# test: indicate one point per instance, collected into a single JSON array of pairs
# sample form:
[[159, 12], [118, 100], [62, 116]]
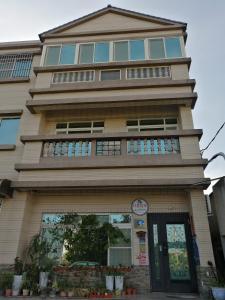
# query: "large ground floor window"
[[80, 230]]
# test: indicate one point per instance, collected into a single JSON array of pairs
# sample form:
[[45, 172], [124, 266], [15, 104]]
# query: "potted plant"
[[109, 278], [119, 278], [17, 278], [217, 284], [26, 287], [7, 280], [46, 265]]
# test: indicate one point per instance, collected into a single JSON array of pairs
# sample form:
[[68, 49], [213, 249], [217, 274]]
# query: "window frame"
[[105, 70], [147, 54], [69, 129], [119, 225], [183, 54], [164, 126], [11, 118], [89, 70]]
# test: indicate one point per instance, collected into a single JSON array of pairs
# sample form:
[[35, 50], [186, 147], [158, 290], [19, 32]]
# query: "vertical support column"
[[203, 238], [12, 230], [185, 116]]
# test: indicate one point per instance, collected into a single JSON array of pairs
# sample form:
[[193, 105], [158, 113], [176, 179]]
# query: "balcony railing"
[[110, 147], [67, 149]]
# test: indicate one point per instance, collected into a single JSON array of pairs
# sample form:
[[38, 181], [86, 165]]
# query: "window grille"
[[15, 65], [68, 77], [142, 73], [109, 148]]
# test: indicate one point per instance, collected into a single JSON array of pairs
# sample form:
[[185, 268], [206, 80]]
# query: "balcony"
[[87, 148], [108, 150]]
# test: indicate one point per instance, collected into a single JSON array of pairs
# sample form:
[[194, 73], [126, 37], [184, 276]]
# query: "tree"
[[85, 238]]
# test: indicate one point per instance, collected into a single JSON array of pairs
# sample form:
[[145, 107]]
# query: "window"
[[142, 73], [109, 148], [156, 48], [101, 52], [52, 56], [119, 253], [80, 127], [152, 124], [8, 130], [168, 47], [86, 53], [14, 66], [121, 51], [137, 50], [110, 75], [71, 77], [67, 54], [173, 48]]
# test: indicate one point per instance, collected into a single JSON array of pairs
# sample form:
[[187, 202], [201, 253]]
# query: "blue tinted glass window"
[[22, 68], [120, 51], [52, 56], [86, 53], [67, 54], [8, 131], [156, 47], [137, 50], [173, 48], [101, 52]]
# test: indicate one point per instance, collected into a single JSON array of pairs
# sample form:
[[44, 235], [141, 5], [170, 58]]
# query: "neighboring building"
[[95, 115], [217, 223]]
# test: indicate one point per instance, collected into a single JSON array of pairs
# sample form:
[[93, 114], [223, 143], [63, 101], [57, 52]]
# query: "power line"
[[213, 138]]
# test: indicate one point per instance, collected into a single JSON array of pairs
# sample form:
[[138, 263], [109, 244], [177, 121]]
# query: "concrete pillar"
[[14, 212]]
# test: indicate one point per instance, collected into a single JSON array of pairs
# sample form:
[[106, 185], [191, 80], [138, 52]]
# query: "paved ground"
[[151, 296]]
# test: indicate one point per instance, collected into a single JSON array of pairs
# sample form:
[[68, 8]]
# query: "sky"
[[25, 19]]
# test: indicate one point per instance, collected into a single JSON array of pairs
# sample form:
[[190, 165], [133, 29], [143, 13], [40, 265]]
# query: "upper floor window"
[[152, 124], [62, 55], [8, 130], [123, 50], [94, 52], [164, 48], [15, 65], [129, 50], [80, 127]]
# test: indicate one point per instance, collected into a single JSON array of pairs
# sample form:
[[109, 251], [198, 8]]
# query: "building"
[[98, 114], [217, 224]]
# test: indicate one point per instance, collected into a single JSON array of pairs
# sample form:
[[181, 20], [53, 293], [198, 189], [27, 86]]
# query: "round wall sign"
[[139, 207]]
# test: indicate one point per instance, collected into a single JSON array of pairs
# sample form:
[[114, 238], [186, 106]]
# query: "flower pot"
[[70, 294], [218, 293], [8, 292], [43, 279], [109, 282], [129, 291], [62, 294], [25, 292], [17, 283], [119, 283]]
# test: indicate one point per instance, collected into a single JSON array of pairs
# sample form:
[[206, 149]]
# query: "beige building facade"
[[95, 118]]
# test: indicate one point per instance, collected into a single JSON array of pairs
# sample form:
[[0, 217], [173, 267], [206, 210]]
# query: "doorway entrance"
[[171, 253]]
